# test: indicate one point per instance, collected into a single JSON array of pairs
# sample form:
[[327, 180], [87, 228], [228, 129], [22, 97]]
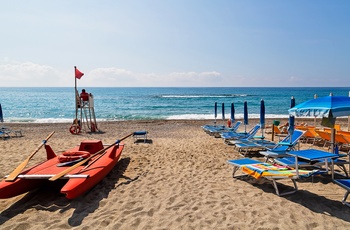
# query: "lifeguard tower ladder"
[[87, 115]]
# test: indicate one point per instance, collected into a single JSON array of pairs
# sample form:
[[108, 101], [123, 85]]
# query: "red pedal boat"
[[79, 180]]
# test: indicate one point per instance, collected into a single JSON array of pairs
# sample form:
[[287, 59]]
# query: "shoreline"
[[179, 180]]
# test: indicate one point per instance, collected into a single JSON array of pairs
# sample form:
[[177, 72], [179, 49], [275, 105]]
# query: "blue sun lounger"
[[344, 183], [281, 148], [246, 146], [4, 133], [228, 136], [257, 170], [140, 135], [214, 130], [315, 158]]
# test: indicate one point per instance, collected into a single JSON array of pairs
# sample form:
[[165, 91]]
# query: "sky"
[[175, 43]]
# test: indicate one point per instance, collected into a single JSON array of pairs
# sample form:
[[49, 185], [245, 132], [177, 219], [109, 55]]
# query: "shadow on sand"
[[308, 199], [49, 198]]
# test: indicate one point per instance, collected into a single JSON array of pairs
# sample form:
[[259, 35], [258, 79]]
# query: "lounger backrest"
[[295, 137], [276, 130], [236, 126], [253, 131], [324, 135], [340, 139], [292, 139]]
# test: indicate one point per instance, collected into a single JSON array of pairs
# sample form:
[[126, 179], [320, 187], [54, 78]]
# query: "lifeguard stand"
[[87, 114]]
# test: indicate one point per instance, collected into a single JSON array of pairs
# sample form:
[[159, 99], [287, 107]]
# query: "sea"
[[57, 104]]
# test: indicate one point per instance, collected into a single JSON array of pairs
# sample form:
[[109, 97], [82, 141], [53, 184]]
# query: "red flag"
[[78, 74]]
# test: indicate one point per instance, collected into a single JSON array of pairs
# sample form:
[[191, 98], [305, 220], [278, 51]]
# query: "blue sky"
[[182, 43]]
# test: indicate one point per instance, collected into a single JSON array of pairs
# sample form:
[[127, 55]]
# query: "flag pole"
[[315, 97], [76, 96], [349, 118]]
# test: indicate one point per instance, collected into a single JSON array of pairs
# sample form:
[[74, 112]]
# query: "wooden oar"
[[20, 167], [64, 172]]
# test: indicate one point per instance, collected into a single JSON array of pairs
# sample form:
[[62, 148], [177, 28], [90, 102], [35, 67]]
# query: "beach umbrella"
[[232, 113], [315, 96], [292, 102], [215, 110], [349, 118], [291, 127], [262, 113], [262, 116], [1, 116], [329, 108], [223, 111], [291, 118], [245, 115]]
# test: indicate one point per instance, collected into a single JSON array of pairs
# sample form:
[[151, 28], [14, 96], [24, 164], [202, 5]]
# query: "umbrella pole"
[[333, 139]]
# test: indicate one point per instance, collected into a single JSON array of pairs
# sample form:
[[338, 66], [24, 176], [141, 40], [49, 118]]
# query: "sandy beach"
[[178, 180]]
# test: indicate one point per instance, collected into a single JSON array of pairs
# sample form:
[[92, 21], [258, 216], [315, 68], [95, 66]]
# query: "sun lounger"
[[214, 130], [7, 133], [315, 158], [310, 135], [246, 146], [277, 132], [325, 137], [235, 136], [281, 148], [259, 170], [4, 133], [344, 183], [140, 135]]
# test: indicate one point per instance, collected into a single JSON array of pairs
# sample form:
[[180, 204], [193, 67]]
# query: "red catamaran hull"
[[79, 181]]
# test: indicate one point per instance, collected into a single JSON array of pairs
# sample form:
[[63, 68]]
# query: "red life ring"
[[71, 156], [75, 129], [229, 123]]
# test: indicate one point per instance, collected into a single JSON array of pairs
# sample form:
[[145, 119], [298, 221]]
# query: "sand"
[[178, 180]]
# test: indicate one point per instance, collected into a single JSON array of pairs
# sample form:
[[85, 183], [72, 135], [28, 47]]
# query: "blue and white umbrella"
[[335, 106], [328, 107]]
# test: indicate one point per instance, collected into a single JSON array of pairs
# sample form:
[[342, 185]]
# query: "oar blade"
[[20, 167], [17, 171]]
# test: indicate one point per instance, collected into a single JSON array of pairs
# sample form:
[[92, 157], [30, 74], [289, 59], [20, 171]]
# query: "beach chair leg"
[[140, 135], [235, 169], [274, 183], [345, 198], [241, 176]]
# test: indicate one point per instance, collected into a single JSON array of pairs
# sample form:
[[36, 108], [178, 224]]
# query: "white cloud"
[[122, 77], [29, 74]]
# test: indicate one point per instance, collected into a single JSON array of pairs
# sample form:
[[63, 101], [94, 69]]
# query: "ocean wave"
[[205, 96], [219, 117], [125, 118]]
